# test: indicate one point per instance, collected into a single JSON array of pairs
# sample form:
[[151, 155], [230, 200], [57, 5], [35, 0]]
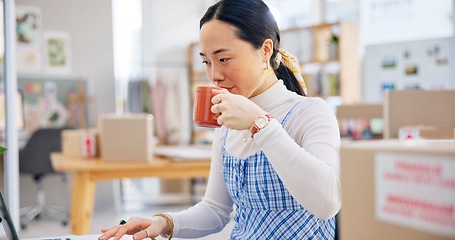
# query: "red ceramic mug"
[[202, 115]]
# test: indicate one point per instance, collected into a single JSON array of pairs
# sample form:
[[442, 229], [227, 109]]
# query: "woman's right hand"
[[236, 111], [139, 227]]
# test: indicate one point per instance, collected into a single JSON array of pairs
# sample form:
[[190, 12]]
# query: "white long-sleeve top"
[[305, 154]]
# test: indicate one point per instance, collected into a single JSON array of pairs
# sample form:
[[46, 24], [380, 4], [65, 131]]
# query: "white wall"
[[89, 24], [168, 29], [398, 21]]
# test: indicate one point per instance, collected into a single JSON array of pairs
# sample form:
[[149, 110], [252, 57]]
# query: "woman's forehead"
[[217, 29], [216, 35]]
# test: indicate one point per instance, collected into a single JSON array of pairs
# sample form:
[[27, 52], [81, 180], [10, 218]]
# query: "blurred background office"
[[77, 60]]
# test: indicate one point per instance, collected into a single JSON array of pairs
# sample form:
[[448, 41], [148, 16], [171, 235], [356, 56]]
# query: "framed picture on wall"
[[28, 36], [57, 49]]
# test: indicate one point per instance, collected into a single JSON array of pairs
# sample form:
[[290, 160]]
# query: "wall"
[[168, 29], [89, 24], [398, 21], [171, 25], [421, 64]]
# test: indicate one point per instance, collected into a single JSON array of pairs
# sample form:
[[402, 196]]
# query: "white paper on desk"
[[185, 152]]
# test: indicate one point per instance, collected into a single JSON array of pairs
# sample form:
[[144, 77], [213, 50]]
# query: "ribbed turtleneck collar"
[[273, 96]]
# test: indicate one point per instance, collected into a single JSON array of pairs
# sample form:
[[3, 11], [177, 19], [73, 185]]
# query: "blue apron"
[[264, 207]]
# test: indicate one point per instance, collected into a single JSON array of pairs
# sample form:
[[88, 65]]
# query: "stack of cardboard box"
[[126, 137], [426, 132]]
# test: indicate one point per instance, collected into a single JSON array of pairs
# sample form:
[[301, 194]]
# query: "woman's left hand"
[[139, 227], [236, 111]]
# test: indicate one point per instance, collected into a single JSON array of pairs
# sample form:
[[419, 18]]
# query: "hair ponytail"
[[291, 83]]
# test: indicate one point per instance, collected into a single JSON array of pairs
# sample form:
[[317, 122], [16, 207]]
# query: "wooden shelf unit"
[[339, 67]]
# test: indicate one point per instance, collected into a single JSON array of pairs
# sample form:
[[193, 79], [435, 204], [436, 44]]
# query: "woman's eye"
[[205, 62], [223, 60]]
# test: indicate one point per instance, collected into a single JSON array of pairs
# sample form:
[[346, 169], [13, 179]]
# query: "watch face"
[[261, 122]]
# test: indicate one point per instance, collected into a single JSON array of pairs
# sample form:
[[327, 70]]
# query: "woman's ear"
[[267, 48]]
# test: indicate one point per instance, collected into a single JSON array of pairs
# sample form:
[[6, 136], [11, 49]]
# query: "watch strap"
[[255, 129]]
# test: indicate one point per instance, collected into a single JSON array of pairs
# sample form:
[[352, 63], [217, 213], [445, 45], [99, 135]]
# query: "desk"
[[86, 171]]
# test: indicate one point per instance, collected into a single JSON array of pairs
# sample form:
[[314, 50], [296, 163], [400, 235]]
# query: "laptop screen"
[[5, 218]]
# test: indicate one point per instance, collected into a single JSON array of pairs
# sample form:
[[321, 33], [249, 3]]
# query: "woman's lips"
[[227, 88]]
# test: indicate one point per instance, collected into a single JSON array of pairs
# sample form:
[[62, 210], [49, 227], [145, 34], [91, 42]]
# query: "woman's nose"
[[217, 75]]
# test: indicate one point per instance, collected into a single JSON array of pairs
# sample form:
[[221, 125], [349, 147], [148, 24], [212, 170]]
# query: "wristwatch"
[[260, 123]]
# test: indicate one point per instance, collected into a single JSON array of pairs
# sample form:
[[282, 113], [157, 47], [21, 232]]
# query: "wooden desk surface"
[[86, 171], [160, 167]]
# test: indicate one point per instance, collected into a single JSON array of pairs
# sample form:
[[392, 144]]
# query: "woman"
[[275, 158]]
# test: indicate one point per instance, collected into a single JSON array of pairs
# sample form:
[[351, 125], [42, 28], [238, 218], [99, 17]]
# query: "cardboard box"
[[397, 190], [126, 137], [80, 142], [359, 111], [426, 132], [417, 107]]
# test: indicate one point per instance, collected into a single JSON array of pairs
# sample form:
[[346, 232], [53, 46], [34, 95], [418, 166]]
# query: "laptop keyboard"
[[56, 238]]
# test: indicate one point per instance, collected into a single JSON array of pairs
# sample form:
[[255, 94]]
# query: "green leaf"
[[334, 38], [2, 149], [54, 117]]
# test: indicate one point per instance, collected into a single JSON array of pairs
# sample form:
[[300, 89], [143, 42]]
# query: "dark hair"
[[254, 23]]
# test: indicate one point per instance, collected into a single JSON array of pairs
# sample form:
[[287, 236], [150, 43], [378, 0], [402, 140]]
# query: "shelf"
[[311, 45], [315, 61]]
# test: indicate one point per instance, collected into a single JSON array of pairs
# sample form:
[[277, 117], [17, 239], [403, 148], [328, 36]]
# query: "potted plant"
[[2, 149], [333, 45]]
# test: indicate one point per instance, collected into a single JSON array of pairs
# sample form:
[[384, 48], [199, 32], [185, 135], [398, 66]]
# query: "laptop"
[[5, 218], [11, 233]]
